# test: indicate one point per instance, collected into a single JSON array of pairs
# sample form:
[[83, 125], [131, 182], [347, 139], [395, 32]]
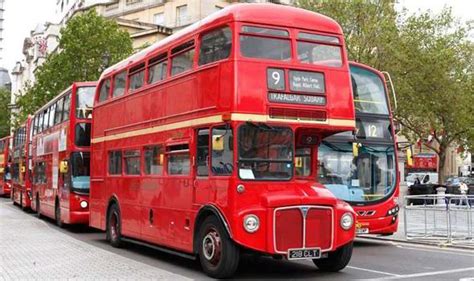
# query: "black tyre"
[[218, 254], [57, 215], [21, 200], [336, 260], [114, 227]]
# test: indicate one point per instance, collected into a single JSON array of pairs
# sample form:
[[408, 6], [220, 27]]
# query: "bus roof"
[[267, 14]]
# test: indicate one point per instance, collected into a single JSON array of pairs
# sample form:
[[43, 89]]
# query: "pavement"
[[36, 249]]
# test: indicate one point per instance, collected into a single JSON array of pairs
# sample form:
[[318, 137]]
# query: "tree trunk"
[[442, 165]]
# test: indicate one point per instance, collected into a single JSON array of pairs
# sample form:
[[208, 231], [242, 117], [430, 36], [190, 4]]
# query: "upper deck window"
[[67, 106], [104, 90], [183, 60], [84, 102], [119, 84], [319, 54], [258, 42], [369, 91], [137, 77], [52, 112], [157, 69], [59, 111], [317, 37], [215, 45]]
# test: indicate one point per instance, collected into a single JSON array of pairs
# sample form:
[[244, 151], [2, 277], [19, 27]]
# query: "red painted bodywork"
[[46, 148], [225, 89], [5, 184], [380, 222], [21, 185]]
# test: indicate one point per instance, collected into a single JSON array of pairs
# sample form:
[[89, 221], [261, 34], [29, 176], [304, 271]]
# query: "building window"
[[132, 162], [154, 156], [115, 162], [181, 15], [159, 19], [130, 2]]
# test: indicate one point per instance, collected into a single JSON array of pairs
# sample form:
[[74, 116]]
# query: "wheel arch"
[[113, 200], [204, 212]]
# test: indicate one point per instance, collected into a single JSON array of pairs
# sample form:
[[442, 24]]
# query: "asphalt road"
[[377, 260]]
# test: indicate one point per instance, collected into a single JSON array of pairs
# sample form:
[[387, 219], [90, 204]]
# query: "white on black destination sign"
[[304, 81], [296, 99]]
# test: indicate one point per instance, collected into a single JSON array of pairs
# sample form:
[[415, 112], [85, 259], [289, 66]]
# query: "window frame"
[[178, 50], [124, 161], [67, 101], [107, 97], [123, 72], [59, 113], [169, 151], [155, 61], [109, 152], [207, 32], [288, 38], [134, 70]]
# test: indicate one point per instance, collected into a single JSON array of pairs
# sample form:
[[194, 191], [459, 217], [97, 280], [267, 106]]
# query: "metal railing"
[[444, 218]]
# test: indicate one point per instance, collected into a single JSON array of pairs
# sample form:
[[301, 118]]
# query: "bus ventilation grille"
[[297, 114]]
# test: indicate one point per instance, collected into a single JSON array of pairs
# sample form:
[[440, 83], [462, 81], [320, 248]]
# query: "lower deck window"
[[132, 162], [115, 162], [178, 160]]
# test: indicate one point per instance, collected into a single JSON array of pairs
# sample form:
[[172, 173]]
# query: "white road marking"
[[441, 251], [373, 271], [424, 274]]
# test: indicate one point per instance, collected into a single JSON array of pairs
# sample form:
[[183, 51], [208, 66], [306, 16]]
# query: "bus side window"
[[115, 162], [183, 57], [119, 84], [104, 90], [178, 160], [154, 158], [222, 151], [202, 152], [215, 45]]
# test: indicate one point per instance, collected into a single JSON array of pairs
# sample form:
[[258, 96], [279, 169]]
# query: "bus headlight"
[[347, 220], [84, 204], [251, 223]]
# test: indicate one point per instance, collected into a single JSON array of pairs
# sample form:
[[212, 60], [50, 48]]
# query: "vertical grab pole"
[[392, 88]]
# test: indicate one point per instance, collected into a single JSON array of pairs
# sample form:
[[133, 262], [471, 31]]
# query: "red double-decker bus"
[[194, 140], [361, 167], [5, 173], [61, 155], [21, 166]]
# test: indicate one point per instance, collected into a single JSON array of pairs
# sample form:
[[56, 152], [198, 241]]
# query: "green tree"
[[433, 71], [5, 112], [83, 44], [370, 27]]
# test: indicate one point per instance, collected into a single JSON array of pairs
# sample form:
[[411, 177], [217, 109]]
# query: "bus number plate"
[[362, 230], [298, 254]]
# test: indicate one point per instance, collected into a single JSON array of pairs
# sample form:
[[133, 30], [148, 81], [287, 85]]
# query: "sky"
[[22, 16]]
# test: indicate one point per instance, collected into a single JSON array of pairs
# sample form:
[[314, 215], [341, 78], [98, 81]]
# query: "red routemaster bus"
[[194, 140], [5, 172], [21, 166], [361, 167], [61, 155]]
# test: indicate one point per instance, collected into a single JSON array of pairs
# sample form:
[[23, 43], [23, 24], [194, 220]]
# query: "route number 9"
[[275, 79]]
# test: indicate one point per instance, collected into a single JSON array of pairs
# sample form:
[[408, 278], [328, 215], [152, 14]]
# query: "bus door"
[[178, 194]]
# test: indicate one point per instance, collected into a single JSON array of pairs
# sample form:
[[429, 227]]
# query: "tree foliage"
[[5, 112], [84, 42], [430, 59]]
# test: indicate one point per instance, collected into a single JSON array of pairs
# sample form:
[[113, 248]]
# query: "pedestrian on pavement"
[[463, 190]]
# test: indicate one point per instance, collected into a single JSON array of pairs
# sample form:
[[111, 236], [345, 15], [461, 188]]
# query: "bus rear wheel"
[[218, 254], [114, 227], [336, 260]]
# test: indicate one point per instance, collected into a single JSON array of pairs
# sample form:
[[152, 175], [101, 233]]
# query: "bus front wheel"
[[218, 254], [336, 260], [114, 223]]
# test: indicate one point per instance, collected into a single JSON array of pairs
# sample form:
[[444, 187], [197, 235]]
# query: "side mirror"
[[161, 159], [63, 167], [217, 143], [298, 162], [22, 169]]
